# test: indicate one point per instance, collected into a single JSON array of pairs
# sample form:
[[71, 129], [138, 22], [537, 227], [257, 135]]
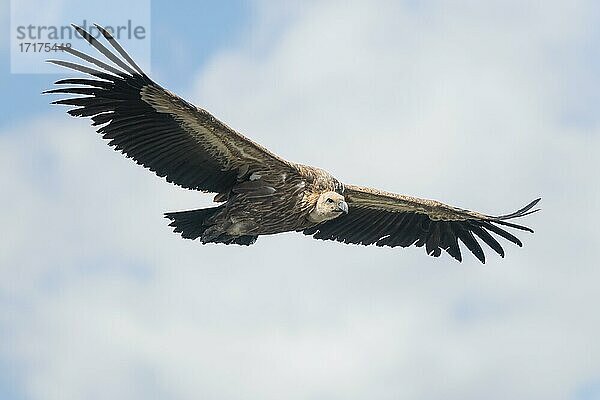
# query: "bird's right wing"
[[389, 219], [159, 130]]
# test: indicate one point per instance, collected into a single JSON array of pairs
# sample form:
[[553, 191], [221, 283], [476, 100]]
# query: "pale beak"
[[343, 206]]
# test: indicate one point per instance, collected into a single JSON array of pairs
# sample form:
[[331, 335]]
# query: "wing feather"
[[388, 219], [159, 130]]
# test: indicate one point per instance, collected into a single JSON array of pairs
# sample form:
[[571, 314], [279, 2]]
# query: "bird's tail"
[[193, 223], [201, 223]]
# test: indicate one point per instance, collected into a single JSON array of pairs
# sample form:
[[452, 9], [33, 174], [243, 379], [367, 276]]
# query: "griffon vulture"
[[259, 193]]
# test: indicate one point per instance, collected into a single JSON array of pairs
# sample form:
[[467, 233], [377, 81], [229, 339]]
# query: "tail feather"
[[192, 224], [195, 224]]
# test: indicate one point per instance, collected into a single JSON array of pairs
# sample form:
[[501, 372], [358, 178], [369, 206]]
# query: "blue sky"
[[194, 29], [484, 105]]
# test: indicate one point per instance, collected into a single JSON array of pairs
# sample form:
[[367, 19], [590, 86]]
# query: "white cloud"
[[459, 103]]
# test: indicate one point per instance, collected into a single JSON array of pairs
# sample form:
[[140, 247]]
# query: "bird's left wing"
[[388, 219], [159, 130]]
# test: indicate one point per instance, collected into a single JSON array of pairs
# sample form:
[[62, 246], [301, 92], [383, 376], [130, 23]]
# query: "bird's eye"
[[329, 200]]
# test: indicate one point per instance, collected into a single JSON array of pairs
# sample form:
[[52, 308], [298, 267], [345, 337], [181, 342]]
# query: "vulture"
[[257, 192]]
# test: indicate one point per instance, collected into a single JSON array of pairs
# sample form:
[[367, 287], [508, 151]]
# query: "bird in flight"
[[258, 192]]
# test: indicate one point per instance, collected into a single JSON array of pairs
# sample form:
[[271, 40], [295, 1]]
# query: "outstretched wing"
[[388, 219], [158, 129]]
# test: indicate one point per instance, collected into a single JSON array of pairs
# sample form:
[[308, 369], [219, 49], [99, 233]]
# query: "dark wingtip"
[[522, 211], [80, 30], [103, 31], [457, 257], [515, 226]]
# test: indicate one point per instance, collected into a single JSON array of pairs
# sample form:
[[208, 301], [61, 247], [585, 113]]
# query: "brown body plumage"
[[259, 193], [259, 203]]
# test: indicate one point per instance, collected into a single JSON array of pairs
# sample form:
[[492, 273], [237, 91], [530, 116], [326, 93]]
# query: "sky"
[[485, 105]]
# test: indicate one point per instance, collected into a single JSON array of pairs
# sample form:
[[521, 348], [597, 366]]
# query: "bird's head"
[[329, 205]]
